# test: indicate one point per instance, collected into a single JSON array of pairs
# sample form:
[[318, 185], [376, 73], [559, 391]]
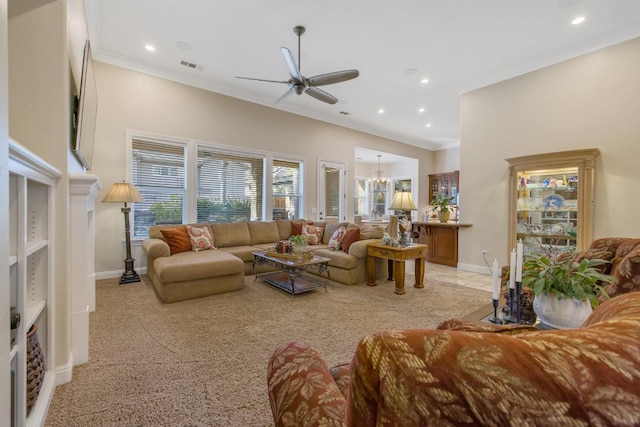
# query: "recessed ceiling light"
[[424, 80], [421, 110], [578, 20], [381, 111], [150, 48], [428, 125]]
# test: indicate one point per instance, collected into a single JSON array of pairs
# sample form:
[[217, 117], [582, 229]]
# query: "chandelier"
[[380, 180]]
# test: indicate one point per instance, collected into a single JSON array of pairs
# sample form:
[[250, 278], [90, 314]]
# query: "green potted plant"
[[298, 243], [566, 288], [443, 205]]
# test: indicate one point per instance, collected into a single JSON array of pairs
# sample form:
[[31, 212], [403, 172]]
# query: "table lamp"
[[403, 202], [123, 192]]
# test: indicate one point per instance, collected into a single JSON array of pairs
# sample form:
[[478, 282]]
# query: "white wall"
[[131, 100], [592, 101]]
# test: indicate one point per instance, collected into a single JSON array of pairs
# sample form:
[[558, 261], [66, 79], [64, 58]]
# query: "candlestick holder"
[[495, 319], [518, 304], [510, 316]]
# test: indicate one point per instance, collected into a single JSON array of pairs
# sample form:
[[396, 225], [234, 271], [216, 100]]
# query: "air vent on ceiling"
[[191, 65]]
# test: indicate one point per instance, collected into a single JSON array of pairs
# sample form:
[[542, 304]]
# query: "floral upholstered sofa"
[[194, 260], [467, 374]]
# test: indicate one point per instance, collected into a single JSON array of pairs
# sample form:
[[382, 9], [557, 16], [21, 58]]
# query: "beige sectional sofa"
[[190, 274]]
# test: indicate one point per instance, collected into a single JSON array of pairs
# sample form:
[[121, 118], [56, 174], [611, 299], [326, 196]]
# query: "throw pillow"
[[177, 239], [200, 238], [335, 242], [351, 236], [313, 233], [296, 227]]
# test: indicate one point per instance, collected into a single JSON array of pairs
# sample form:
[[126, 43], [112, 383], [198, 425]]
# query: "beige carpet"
[[203, 362]]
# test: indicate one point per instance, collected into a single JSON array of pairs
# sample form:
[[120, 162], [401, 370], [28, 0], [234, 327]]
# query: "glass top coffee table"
[[291, 276]]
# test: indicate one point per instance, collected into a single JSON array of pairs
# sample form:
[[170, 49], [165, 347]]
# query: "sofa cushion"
[[177, 239], [350, 236], [371, 232], [284, 228], [313, 233], [200, 238], [245, 253], [231, 234], [338, 258], [335, 242], [187, 266], [263, 232]]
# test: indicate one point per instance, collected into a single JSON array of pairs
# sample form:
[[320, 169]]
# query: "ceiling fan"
[[300, 84]]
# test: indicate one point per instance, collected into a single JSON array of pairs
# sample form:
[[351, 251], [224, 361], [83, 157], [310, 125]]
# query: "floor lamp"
[[403, 201], [123, 192]]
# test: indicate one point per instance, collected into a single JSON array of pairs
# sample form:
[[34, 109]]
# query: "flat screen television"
[[86, 111]]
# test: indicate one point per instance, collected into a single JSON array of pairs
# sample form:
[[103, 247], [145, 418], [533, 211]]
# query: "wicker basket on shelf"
[[35, 367]]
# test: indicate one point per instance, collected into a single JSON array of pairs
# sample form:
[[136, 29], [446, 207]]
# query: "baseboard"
[[474, 268], [64, 372], [117, 273]]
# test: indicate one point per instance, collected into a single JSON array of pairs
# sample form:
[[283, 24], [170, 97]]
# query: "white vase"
[[298, 249], [565, 313]]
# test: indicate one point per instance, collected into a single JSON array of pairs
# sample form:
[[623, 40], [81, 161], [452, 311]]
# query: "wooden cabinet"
[[551, 200], [441, 240], [447, 184], [31, 271]]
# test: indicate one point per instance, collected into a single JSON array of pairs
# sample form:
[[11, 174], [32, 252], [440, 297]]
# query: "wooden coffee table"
[[397, 255], [290, 276]]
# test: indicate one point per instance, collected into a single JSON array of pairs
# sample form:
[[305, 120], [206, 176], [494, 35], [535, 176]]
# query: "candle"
[[512, 271], [496, 284], [519, 261]]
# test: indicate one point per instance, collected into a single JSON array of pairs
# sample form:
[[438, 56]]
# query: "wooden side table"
[[398, 255]]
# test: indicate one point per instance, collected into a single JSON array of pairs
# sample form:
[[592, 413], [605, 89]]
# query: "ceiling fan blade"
[[262, 80], [284, 95], [321, 95], [294, 72], [331, 78]]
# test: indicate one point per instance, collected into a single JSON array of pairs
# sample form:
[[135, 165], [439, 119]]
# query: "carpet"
[[203, 362]]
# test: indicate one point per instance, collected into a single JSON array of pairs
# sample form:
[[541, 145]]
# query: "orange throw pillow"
[[351, 236], [177, 239]]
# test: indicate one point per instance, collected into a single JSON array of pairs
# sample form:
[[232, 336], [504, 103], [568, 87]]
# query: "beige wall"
[[131, 100], [39, 119], [447, 160], [592, 101]]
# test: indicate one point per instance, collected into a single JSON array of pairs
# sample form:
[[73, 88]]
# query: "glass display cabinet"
[[551, 200], [447, 184]]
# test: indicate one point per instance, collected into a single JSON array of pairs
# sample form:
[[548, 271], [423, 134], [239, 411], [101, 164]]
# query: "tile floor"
[[458, 277]]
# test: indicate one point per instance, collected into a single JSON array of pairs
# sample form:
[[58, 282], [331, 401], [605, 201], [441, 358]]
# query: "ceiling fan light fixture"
[[299, 84]]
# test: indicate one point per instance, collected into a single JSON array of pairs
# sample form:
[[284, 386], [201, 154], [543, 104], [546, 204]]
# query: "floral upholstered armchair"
[[466, 374]]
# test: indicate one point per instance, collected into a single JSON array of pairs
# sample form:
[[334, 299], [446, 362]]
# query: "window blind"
[[286, 189], [229, 186], [158, 171]]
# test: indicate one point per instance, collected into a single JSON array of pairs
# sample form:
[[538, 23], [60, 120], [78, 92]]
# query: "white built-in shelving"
[[31, 274]]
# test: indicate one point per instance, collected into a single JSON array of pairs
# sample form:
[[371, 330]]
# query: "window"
[[230, 186], [287, 197], [188, 181], [158, 171], [360, 200]]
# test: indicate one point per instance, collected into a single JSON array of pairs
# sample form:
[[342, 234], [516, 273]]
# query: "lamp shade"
[[403, 201], [123, 192]]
